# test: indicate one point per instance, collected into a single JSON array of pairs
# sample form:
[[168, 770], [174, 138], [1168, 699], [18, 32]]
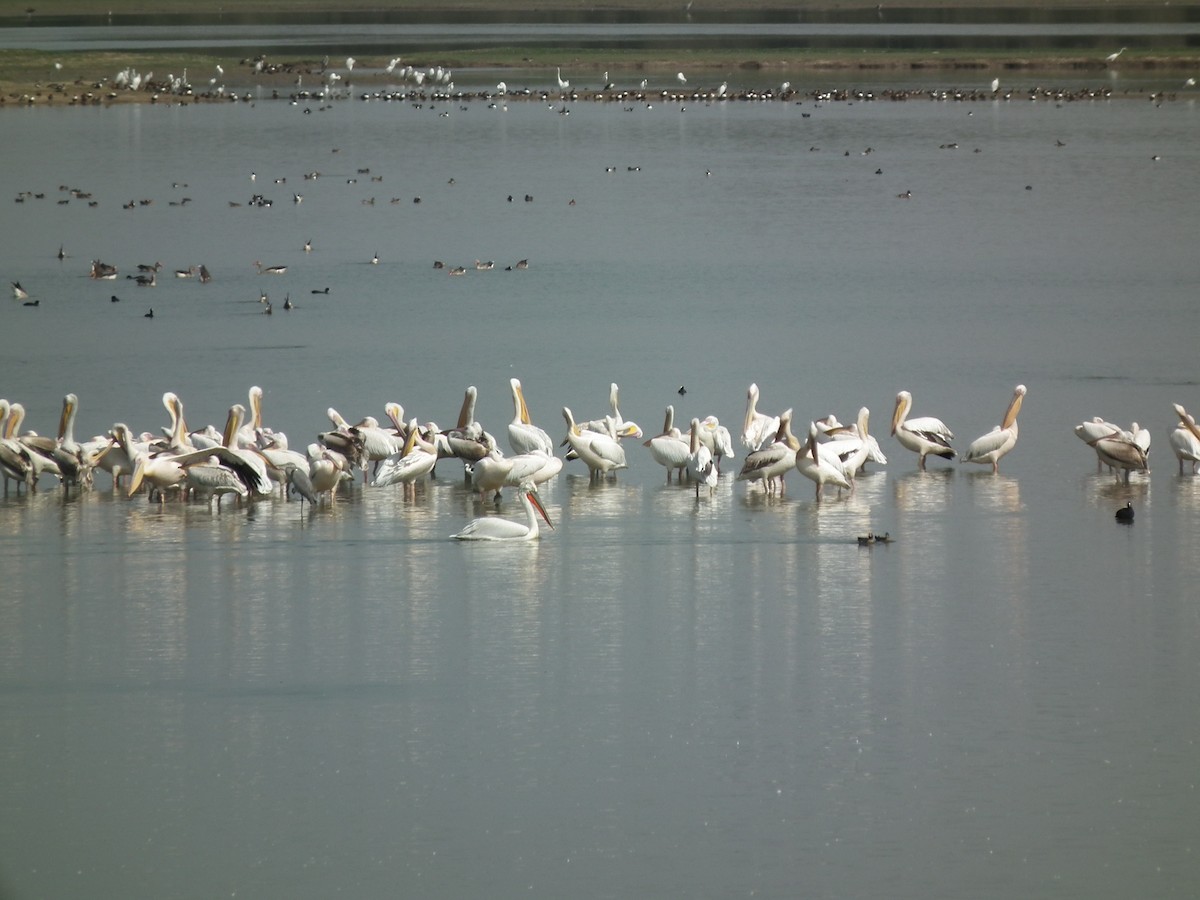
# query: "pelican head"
[[903, 405], [1014, 407]]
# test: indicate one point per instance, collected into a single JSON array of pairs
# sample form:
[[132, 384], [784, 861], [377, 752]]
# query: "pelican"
[[19, 292], [493, 528], [775, 459], [717, 439], [249, 458], [618, 424], [854, 445], [820, 467], [669, 448], [759, 429], [536, 467], [1185, 439], [417, 457], [467, 440], [16, 463], [991, 447], [922, 435], [327, 469], [601, 453], [1120, 453], [700, 465], [39, 454], [377, 443], [523, 435]]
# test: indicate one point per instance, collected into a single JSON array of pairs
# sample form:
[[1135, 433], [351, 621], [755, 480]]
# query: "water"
[[662, 696]]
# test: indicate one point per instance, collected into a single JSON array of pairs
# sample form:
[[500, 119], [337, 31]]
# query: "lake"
[[666, 695]]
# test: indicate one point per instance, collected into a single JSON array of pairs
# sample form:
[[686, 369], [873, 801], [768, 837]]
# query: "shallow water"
[[663, 695]]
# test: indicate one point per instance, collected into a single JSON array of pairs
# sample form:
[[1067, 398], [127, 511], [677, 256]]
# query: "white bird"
[[991, 447], [618, 424], [416, 458], [19, 292], [1112, 57], [758, 429], [773, 460], [822, 468], [1185, 440], [501, 88], [601, 453], [700, 466], [717, 439], [995, 85], [350, 61], [493, 528], [669, 448], [923, 435], [681, 77], [1121, 454], [523, 435], [563, 84], [854, 445]]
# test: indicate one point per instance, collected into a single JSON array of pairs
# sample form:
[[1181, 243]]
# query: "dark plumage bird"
[[1125, 513], [114, 299], [149, 315], [682, 390]]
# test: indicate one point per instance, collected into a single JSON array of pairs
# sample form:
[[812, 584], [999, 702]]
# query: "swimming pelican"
[[669, 448], [700, 465], [923, 435], [991, 447], [1185, 439], [523, 435], [601, 453], [773, 460], [758, 429], [820, 467], [493, 528]]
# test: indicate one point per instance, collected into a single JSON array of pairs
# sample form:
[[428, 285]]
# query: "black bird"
[[31, 302], [324, 291], [1125, 513], [149, 315], [114, 299], [682, 390]]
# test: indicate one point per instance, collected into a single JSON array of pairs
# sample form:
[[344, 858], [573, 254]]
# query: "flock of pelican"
[[249, 460]]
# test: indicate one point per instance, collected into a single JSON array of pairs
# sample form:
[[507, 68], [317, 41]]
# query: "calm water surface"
[[662, 697]]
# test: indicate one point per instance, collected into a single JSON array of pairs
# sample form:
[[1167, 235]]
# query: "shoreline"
[[88, 78]]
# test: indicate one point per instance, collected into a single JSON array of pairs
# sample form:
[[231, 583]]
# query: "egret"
[[682, 78], [1112, 57], [563, 84]]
